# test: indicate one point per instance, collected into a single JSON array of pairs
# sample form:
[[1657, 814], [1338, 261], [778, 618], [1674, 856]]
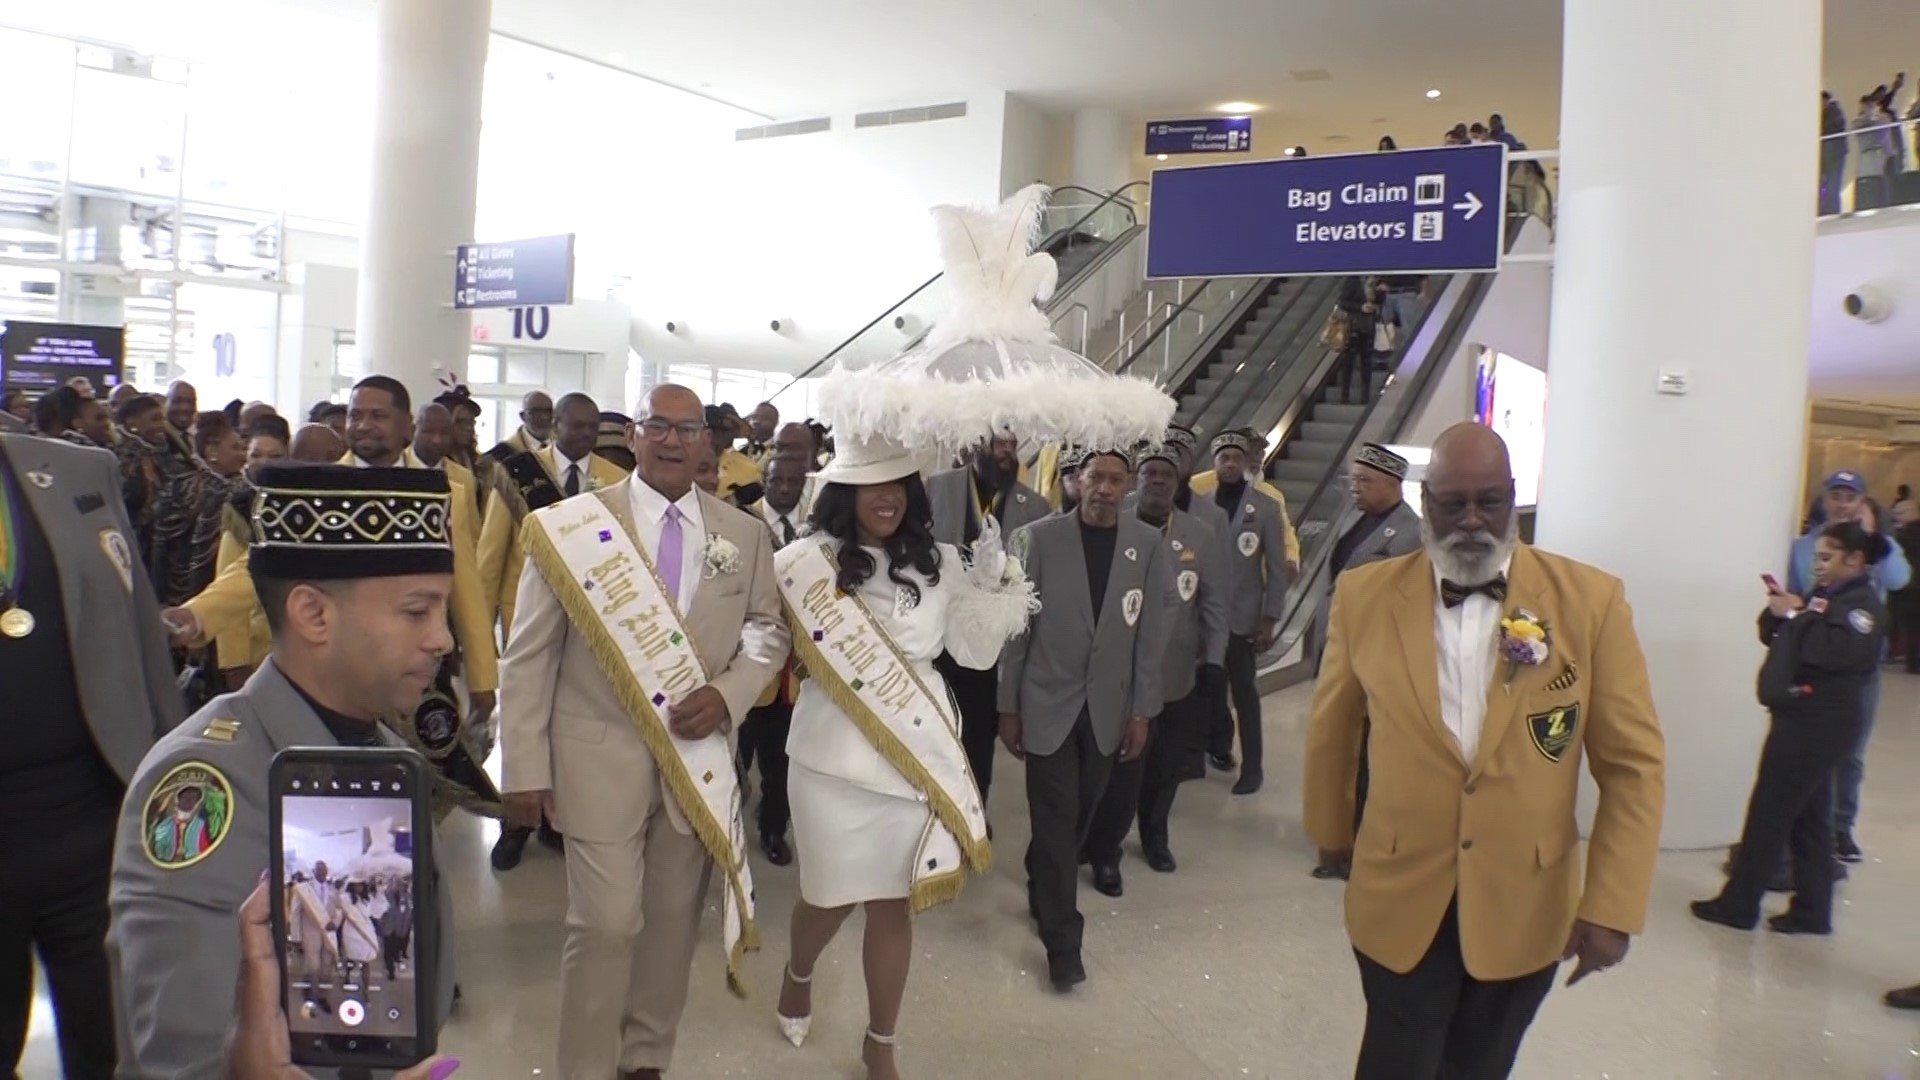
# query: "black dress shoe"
[[775, 849], [1160, 860], [1789, 923], [1711, 911], [1331, 872], [510, 848], [1249, 783], [1907, 997], [551, 839], [1223, 762], [1845, 849], [1106, 879], [1065, 970]]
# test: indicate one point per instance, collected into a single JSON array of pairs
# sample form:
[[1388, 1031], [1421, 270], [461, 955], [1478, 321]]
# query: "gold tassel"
[[979, 852], [714, 835]]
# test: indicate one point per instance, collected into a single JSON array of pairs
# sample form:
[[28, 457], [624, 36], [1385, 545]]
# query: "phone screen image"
[[352, 926]]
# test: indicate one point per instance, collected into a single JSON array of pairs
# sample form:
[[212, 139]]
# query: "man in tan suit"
[[1465, 893], [636, 873]]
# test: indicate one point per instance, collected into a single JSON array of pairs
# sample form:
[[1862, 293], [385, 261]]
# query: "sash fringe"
[[540, 551], [978, 853], [936, 890]]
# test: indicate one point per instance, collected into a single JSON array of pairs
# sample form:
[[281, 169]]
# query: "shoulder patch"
[[188, 813], [1861, 620]]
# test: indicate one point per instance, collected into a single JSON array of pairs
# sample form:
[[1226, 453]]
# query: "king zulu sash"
[[849, 656], [614, 597]]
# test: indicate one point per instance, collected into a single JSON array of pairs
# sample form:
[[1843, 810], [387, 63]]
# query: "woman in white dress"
[[875, 808]]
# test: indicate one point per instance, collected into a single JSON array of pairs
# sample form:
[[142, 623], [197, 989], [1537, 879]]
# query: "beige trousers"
[[633, 918]]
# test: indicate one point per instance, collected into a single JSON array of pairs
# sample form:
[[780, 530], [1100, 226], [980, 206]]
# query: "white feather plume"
[[991, 364]]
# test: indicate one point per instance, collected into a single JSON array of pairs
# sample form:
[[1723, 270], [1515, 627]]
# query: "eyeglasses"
[[689, 430]]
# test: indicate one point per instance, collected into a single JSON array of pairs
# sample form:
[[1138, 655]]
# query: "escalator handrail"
[[858, 334], [1304, 348], [1173, 312], [1102, 200], [1279, 317]]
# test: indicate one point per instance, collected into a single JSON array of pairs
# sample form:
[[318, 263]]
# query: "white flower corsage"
[[720, 557]]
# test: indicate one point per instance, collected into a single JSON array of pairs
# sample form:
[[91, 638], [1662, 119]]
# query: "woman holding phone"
[[1821, 653]]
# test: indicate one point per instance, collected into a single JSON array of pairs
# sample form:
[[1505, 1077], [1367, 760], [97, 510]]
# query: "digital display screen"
[[352, 955], [36, 357]]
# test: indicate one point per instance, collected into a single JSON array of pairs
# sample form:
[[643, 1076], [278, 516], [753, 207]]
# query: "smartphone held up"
[[354, 913]]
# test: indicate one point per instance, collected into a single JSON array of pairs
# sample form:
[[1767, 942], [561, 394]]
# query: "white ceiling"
[[1150, 58]]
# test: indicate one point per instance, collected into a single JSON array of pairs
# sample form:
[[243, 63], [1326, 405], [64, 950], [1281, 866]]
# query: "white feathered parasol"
[[992, 365]]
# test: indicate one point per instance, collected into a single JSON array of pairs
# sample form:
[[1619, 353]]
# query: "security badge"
[[1189, 584], [1130, 606], [1552, 731], [1249, 543]]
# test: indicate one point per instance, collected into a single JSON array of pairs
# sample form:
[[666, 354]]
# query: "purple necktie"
[[667, 559]]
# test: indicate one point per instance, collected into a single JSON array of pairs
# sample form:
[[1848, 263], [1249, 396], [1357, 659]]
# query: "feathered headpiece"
[[992, 365]]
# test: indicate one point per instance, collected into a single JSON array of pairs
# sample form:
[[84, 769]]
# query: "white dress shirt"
[[561, 463], [774, 517], [650, 513], [1467, 639], [407, 460]]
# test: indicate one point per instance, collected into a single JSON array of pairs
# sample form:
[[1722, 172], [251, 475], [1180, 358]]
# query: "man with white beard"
[[1487, 669]]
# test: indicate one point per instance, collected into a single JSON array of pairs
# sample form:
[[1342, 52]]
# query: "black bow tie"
[[1453, 594]]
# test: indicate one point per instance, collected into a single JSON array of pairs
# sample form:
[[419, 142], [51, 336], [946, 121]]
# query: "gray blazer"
[[1398, 535], [173, 941], [1257, 556], [952, 495], [1197, 605], [1066, 660], [113, 619]]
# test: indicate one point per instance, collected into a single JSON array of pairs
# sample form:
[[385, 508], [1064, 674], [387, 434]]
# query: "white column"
[[1685, 248], [430, 64], [1102, 149]]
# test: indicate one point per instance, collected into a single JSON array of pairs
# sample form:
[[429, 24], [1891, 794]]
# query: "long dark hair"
[[911, 545]]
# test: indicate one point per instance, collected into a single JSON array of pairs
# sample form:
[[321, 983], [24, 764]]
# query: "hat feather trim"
[[924, 410]]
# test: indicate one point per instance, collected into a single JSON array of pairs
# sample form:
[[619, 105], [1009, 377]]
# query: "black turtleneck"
[[1098, 543], [1228, 496], [1157, 522], [1183, 498], [346, 730]]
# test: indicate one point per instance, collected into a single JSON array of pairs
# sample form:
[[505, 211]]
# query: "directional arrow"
[[1471, 204]]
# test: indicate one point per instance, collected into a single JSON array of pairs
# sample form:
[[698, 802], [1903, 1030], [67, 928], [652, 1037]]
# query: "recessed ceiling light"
[[1159, 157], [1431, 94], [1291, 149], [1239, 107]]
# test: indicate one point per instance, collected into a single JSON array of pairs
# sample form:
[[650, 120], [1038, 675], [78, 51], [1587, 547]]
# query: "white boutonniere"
[[720, 557]]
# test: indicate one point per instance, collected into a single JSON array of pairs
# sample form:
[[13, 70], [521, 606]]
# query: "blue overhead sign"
[[1214, 135], [1412, 211], [515, 273]]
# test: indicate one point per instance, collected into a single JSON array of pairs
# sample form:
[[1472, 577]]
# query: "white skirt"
[[854, 844]]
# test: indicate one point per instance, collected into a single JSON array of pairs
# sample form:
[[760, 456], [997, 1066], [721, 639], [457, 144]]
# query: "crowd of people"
[[1879, 142]]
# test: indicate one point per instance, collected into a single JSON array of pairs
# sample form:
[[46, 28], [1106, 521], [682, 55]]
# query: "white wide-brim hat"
[[873, 460]]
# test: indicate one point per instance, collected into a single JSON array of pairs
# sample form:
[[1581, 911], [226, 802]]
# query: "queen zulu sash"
[[614, 597], [849, 656]]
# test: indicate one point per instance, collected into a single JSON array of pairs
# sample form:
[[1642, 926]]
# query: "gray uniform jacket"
[[1196, 606], [1398, 535], [1257, 555], [113, 620], [952, 495], [1066, 660], [174, 940]]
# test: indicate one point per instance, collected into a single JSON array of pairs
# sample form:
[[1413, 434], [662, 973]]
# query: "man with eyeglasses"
[[1487, 669], [536, 427], [646, 627]]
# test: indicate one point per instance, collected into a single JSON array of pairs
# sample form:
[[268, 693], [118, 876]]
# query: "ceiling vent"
[[920, 115], [777, 131], [1312, 75]]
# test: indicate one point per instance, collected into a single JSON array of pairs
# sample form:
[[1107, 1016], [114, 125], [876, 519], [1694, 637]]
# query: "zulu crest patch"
[[1249, 543], [1552, 731], [1130, 606], [1189, 583]]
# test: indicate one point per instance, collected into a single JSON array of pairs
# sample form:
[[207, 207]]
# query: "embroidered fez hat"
[[1180, 435], [1125, 455], [338, 523], [1160, 451], [1230, 440], [613, 431], [1071, 458], [1375, 456]]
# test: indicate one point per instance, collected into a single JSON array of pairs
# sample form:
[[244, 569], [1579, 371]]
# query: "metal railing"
[[1869, 168]]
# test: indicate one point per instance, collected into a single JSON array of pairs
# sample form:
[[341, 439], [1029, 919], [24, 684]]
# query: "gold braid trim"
[[978, 853], [713, 834]]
